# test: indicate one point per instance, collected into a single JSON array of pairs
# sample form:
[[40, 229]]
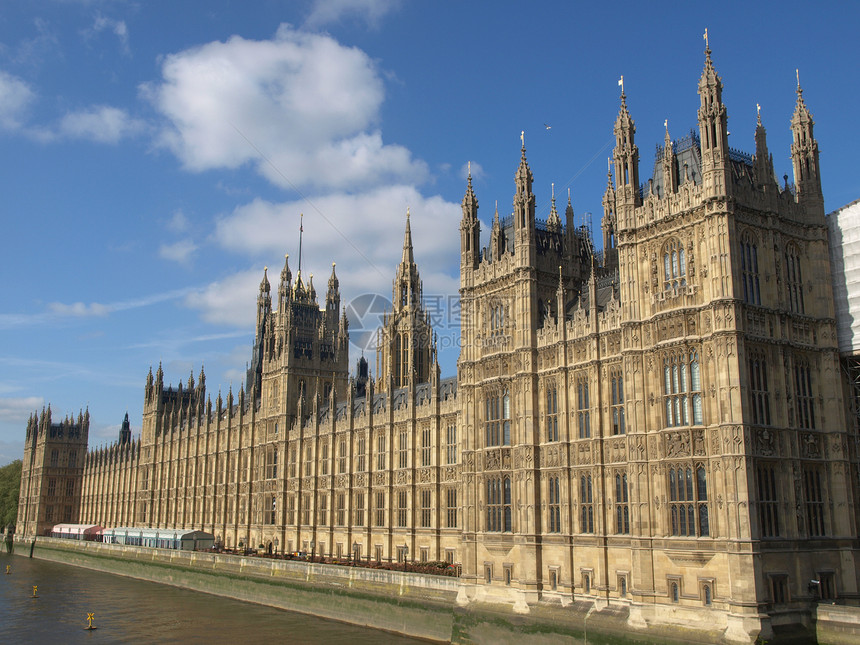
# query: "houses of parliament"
[[663, 425]]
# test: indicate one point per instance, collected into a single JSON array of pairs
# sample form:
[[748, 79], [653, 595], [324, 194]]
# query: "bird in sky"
[[547, 126]]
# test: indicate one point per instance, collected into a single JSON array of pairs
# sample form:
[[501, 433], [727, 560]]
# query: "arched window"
[[793, 279], [706, 593], [749, 269], [682, 389], [688, 503], [497, 427], [674, 588], [674, 266]]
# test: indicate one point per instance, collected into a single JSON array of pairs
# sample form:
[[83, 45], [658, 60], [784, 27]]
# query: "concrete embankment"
[[418, 605], [412, 604]]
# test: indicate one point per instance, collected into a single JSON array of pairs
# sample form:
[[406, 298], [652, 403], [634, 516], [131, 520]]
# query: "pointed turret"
[[553, 222], [470, 228], [497, 237], [669, 164], [125, 431], [764, 176], [804, 158], [524, 199], [626, 155], [408, 257], [712, 129], [284, 286], [407, 284], [332, 298]]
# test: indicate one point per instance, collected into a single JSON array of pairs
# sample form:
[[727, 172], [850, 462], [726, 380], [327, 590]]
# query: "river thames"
[[136, 611]]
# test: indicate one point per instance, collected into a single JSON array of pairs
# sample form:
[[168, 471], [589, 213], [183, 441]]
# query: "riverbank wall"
[[418, 605]]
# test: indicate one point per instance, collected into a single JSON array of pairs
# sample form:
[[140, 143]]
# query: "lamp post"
[[354, 553], [276, 545], [405, 555]]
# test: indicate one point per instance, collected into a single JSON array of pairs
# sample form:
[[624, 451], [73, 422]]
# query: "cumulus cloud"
[[228, 301], [18, 409], [100, 123], [15, 96], [366, 231], [180, 251], [301, 107], [325, 12]]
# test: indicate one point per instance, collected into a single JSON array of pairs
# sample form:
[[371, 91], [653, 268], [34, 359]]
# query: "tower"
[[405, 351], [52, 472]]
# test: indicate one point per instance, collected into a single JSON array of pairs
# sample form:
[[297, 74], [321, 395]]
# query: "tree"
[[10, 486]]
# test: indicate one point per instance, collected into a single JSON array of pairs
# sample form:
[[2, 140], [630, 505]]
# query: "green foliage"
[[10, 485]]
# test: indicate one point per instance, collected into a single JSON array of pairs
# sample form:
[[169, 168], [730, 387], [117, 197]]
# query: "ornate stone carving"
[[677, 444], [765, 442]]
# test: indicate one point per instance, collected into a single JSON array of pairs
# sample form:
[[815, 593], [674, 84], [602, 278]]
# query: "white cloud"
[[81, 309], [178, 223], [301, 107], [15, 97], [100, 123], [325, 12], [180, 251], [367, 230], [19, 409], [117, 27], [229, 301]]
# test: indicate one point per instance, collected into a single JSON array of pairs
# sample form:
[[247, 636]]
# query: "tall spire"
[[408, 258], [804, 155], [554, 221], [470, 228], [712, 129], [626, 154], [763, 159]]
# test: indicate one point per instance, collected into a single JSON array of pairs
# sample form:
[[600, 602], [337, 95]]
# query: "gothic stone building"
[[659, 426]]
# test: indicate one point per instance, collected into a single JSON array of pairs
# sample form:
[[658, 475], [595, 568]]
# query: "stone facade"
[[658, 426]]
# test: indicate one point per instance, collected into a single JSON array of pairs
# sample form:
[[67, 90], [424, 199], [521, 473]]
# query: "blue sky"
[[156, 155]]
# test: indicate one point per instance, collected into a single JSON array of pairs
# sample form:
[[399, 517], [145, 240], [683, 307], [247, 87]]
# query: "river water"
[[136, 611]]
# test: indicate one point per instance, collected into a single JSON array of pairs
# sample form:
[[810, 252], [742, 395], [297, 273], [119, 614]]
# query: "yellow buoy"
[[35, 590], [90, 618]]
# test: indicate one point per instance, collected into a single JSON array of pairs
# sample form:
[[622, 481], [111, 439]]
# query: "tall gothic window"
[[813, 496], [341, 457], [582, 404], [682, 389], [498, 420], [380, 452], [324, 459], [359, 509], [674, 266], [617, 382], [499, 504], [586, 505], [551, 420], [768, 502], [804, 398], [497, 318], [451, 444], [425, 447], [362, 449], [380, 509], [341, 509], [426, 508], [402, 500], [403, 453], [688, 501], [622, 504], [749, 269], [451, 508], [794, 279], [759, 393], [554, 506]]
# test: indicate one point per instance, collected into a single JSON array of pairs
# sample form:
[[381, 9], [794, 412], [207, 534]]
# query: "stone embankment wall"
[[423, 606]]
